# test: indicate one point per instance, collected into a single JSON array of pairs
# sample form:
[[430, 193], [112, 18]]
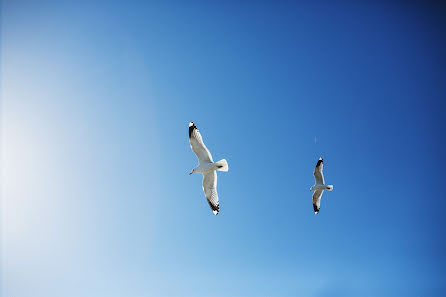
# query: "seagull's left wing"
[[317, 200], [318, 175], [197, 145], [210, 190]]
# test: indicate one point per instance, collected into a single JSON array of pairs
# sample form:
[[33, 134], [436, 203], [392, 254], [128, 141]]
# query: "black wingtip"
[[316, 210], [192, 127], [215, 208], [319, 162]]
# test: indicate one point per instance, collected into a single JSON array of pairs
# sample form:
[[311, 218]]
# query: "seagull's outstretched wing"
[[317, 200], [197, 145], [210, 190], [318, 175]]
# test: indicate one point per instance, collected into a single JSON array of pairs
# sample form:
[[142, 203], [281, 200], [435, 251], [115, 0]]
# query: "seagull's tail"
[[329, 188], [222, 165]]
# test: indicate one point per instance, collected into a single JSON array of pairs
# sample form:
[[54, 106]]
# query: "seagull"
[[319, 185], [207, 167]]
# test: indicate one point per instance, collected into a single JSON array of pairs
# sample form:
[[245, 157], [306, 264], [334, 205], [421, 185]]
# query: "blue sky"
[[96, 100]]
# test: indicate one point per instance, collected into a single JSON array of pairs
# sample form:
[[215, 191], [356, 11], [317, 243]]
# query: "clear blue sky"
[[96, 100]]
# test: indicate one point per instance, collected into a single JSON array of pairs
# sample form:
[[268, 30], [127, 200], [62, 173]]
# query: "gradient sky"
[[96, 99]]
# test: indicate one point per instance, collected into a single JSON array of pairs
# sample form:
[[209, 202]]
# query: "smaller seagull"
[[207, 167], [319, 185]]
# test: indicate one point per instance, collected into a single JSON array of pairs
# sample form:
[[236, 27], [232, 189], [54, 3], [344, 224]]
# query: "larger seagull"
[[207, 167], [319, 185]]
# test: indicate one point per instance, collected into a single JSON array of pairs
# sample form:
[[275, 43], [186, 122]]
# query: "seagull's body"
[[207, 167], [319, 185]]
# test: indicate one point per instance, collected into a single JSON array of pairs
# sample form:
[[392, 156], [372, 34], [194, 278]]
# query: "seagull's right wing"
[[317, 200], [318, 175], [197, 145], [210, 190]]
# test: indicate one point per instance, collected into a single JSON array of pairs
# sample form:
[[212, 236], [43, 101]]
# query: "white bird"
[[207, 167], [319, 185]]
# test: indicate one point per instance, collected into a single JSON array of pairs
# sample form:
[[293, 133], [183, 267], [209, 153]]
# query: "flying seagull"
[[207, 167], [319, 185]]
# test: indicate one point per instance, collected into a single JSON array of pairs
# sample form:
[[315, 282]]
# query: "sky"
[[96, 97]]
